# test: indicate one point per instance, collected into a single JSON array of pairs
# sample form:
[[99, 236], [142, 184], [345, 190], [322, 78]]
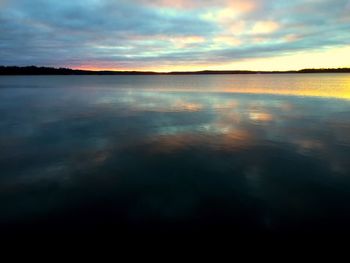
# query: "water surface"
[[247, 153]]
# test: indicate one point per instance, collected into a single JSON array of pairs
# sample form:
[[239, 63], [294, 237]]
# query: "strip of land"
[[33, 70]]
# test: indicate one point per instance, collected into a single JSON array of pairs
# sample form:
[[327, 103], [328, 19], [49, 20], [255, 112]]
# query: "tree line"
[[34, 70]]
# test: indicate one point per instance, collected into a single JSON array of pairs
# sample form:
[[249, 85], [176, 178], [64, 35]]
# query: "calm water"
[[246, 153]]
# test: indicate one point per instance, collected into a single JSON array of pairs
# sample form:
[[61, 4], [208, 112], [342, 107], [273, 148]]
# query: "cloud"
[[140, 33], [265, 27]]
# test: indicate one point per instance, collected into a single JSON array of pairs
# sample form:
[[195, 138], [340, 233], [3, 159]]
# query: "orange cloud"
[[226, 40], [244, 6], [236, 28], [177, 41], [184, 41], [291, 38], [231, 6], [228, 11], [265, 27], [175, 4]]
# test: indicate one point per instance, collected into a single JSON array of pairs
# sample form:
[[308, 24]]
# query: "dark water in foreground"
[[175, 153]]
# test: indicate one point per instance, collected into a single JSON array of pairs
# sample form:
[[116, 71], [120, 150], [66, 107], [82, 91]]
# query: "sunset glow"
[[176, 35]]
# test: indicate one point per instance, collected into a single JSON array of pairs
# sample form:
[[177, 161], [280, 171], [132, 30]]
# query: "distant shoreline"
[[33, 70]]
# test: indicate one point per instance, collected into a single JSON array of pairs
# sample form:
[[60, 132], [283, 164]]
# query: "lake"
[[190, 154]]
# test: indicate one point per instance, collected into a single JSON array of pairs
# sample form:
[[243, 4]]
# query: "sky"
[[176, 35]]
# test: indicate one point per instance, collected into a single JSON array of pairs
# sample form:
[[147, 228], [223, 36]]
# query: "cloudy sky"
[[166, 35]]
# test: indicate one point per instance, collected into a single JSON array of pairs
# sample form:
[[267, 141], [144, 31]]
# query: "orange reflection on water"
[[226, 139], [338, 94], [237, 138], [187, 106], [260, 116], [309, 144], [303, 85], [306, 89]]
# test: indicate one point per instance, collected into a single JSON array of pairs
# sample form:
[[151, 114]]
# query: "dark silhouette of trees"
[[33, 70]]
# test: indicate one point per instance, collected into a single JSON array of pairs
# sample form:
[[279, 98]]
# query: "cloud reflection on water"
[[148, 156]]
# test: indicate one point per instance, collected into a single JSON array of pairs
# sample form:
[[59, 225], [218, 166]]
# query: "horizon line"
[[46, 70]]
